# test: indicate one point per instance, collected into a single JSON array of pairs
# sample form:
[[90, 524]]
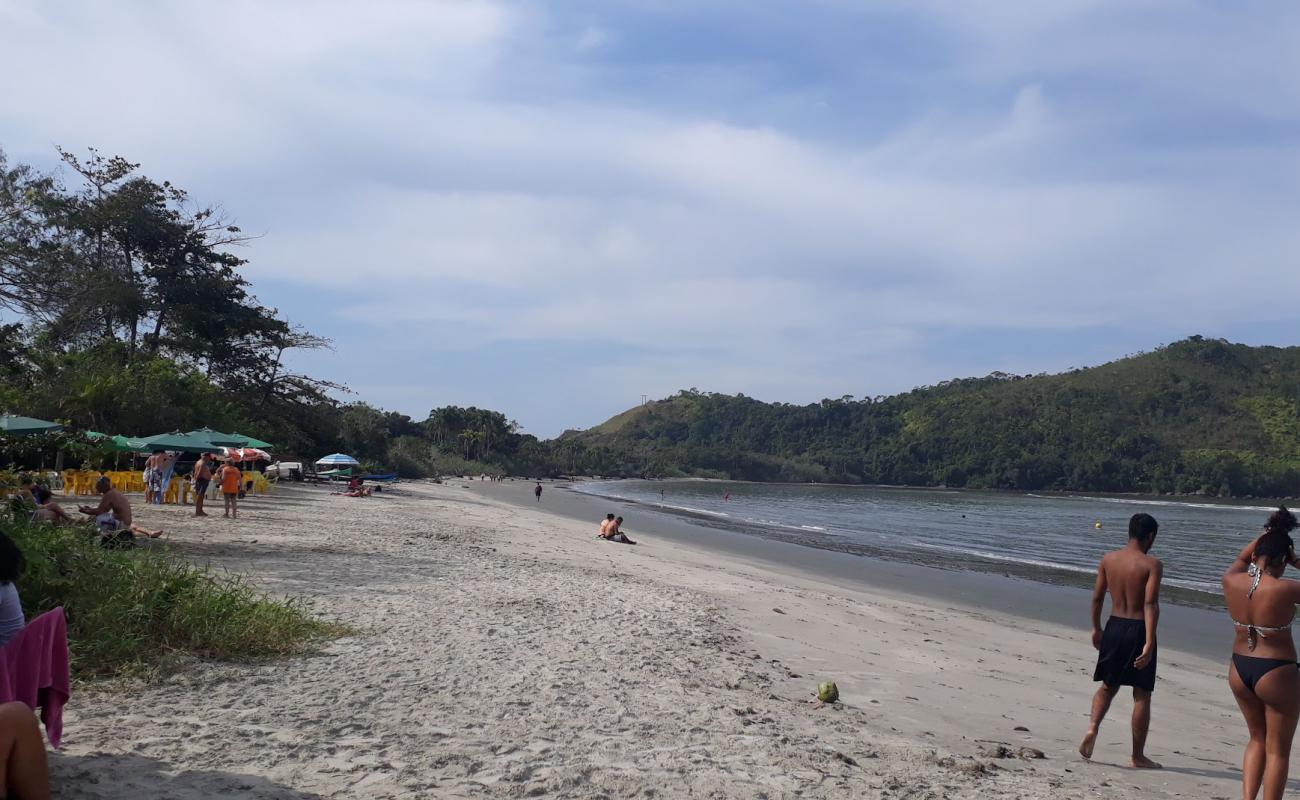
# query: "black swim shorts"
[[1121, 643]]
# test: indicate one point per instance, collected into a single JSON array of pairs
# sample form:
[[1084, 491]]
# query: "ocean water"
[[1051, 538]]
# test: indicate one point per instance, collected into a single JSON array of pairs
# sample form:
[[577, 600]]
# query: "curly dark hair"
[[11, 560], [1276, 543]]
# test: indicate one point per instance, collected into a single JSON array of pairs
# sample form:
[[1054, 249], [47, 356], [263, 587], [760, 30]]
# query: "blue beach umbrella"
[[338, 460]]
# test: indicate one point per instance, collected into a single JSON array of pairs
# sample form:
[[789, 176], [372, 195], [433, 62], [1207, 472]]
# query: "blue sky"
[[553, 209]]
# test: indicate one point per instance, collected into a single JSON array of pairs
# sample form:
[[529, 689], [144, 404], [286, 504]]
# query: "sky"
[[553, 209]]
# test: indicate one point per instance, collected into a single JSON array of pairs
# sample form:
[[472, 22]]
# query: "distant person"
[[604, 526], [202, 478], [537, 491], [1127, 646], [1263, 676], [231, 477], [23, 500], [47, 510], [614, 532], [113, 515], [661, 495], [727, 496], [151, 476], [162, 474]]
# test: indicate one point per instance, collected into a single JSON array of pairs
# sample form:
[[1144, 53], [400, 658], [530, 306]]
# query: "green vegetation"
[[129, 610], [1198, 416], [134, 318]]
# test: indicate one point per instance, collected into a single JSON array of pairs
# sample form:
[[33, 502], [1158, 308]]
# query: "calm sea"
[[1051, 538]]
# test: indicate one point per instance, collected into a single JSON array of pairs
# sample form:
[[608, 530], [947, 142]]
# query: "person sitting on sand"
[[604, 526], [47, 510], [23, 501], [355, 489], [1127, 647], [1263, 676], [113, 515], [614, 533]]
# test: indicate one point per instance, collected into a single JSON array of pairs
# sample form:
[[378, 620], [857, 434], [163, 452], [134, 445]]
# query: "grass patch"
[[136, 609]]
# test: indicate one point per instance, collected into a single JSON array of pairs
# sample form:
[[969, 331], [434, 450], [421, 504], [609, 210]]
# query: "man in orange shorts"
[[230, 478]]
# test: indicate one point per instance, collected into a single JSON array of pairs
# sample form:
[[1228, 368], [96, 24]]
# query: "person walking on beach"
[[202, 477], [1127, 647], [1263, 675], [230, 478], [537, 491]]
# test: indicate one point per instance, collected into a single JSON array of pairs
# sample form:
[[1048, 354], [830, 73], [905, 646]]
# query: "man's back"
[[1128, 572], [120, 505]]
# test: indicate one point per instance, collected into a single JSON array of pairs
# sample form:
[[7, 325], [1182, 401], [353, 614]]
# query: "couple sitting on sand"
[[609, 530], [112, 516], [1262, 674]]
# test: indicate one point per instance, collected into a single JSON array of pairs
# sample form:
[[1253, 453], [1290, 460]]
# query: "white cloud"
[[448, 167]]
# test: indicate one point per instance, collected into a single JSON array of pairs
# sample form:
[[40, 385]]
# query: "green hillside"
[[1198, 416]]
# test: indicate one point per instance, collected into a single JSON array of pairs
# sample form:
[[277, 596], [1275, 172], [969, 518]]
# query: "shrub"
[[134, 609]]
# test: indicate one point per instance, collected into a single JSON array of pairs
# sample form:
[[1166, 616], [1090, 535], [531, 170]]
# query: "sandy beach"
[[501, 651]]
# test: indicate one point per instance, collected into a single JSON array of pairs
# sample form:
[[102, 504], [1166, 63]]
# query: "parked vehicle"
[[285, 471]]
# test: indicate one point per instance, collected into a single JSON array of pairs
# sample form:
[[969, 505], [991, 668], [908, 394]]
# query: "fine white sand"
[[505, 652]]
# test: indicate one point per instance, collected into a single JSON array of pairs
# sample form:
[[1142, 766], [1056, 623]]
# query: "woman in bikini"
[[1263, 674]]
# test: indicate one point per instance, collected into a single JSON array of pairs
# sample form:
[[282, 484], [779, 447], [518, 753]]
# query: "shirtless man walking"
[[1127, 647]]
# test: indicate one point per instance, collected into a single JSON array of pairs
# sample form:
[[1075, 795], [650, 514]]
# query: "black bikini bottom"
[[1251, 669]]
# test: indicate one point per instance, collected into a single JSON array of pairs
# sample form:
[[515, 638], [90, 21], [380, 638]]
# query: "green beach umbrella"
[[128, 445], [179, 442], [250, 441], [220, 439], [122, 444], [14, 425]]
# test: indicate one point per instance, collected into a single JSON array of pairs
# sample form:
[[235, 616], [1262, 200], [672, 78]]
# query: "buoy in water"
[[1097, 525]]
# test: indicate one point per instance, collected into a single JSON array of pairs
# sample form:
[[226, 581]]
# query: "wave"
[[1029, 562], [1136, 502], [690, 510], [1195, 586]]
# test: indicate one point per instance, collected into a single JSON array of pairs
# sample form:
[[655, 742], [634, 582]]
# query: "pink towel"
[[34, 669]]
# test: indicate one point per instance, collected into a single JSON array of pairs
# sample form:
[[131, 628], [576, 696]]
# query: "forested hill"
[[1197, 416]]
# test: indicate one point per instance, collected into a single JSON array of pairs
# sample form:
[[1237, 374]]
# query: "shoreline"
[[1058, 575], [1182, 627], [1191, 498]]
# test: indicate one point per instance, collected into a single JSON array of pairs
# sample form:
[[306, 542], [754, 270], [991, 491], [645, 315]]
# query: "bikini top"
[[1255, 632]]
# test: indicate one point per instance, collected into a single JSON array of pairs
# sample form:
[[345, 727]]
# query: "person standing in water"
[[537, 491], [1263, 675], [1127, 646]]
